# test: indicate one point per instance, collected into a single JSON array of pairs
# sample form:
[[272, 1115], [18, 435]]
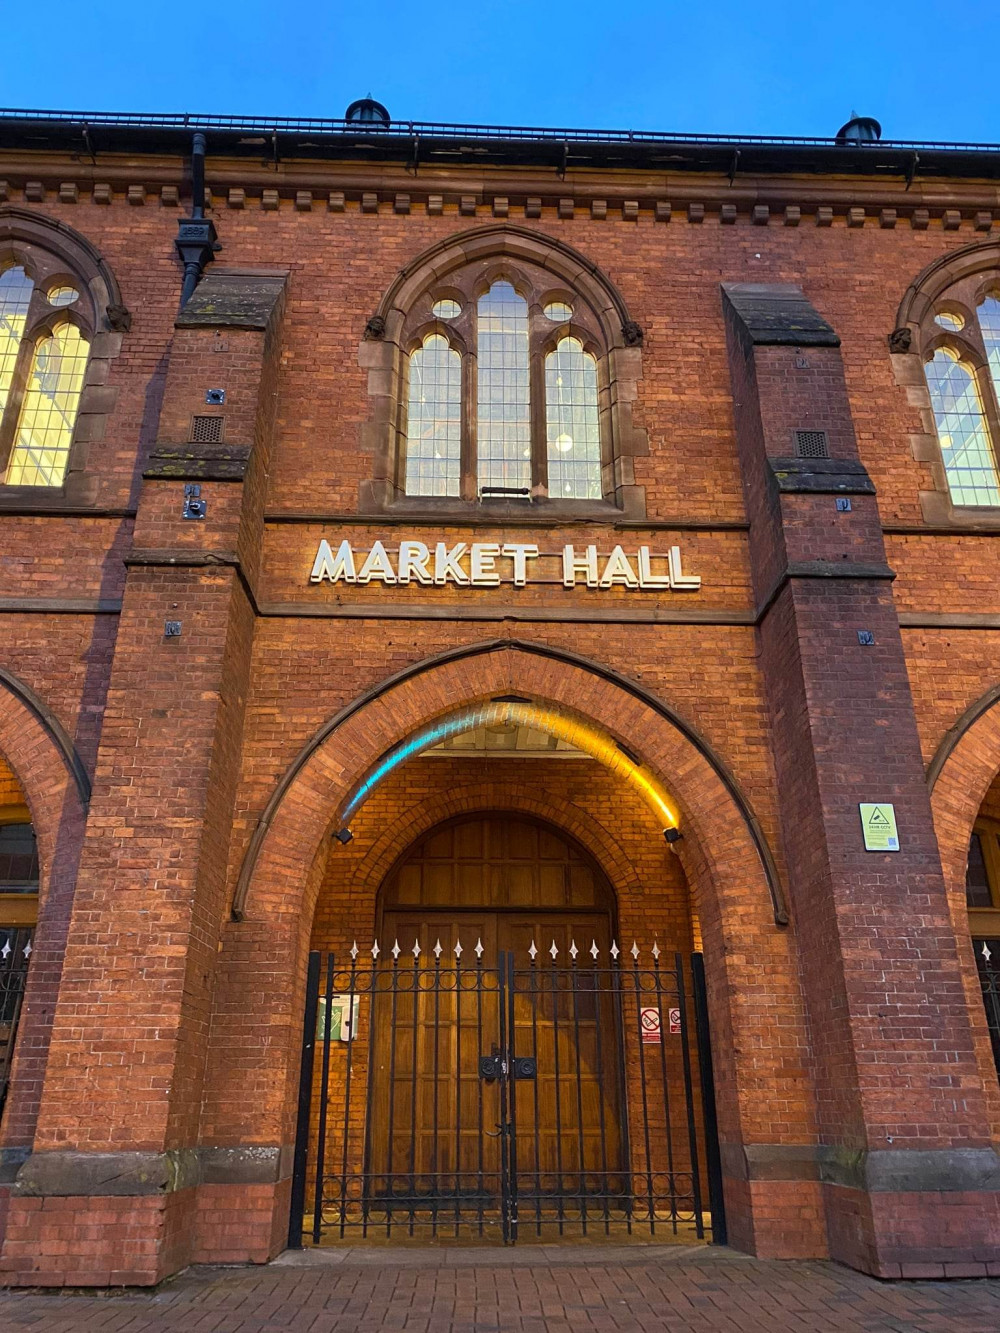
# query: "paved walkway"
[[535, 1289]]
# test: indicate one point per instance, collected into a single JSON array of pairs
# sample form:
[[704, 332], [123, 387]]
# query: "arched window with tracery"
[[61, 326], [534, 426], [953, 312], [505, 367], [44, 345]]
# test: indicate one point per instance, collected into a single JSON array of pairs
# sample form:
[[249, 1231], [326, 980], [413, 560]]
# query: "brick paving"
[[536, 1289]]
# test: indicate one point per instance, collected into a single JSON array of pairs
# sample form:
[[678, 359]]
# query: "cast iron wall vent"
[[811, 444], [205, 429]]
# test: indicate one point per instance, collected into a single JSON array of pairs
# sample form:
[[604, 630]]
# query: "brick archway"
[[960, 775], [258, 1010], [56, 789]]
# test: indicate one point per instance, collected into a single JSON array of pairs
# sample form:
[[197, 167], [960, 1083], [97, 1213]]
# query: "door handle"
[[490, 1067]]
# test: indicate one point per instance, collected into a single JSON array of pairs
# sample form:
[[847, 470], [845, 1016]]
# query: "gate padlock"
[[490, 1067], [525, 1066]]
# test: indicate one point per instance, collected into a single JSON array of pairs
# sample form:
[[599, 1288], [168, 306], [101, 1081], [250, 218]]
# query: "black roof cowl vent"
[[859, 129], [367, 112]]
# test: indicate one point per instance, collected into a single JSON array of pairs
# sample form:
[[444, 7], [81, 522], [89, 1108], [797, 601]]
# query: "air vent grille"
[[204, 429], [811, 444]]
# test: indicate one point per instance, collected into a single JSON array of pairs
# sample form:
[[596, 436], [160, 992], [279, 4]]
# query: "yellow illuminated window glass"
[[51, 399], [558, 311], [572, 428], [446, 309], [950, 319], [62, 295], [15, 295], [434, 420], [504, 424], [963, 431]]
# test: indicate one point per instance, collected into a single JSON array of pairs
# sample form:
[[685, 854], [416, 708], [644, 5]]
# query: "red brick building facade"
[[780, 369]]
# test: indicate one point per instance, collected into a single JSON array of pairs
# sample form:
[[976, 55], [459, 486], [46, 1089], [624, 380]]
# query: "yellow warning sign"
[[878, 822]]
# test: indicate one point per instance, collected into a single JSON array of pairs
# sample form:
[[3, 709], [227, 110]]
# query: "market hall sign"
[[489, 564]]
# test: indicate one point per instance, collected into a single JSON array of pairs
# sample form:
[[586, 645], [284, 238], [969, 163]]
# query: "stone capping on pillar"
[[821, 476], [130, 1174], [127, 1174], [235, 298], [878, 1170], [198, 462], [778, 314]]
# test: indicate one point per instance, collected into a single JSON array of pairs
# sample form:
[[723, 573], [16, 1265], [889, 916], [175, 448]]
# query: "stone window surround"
[[49, 249], [542, 269], [956, 280]]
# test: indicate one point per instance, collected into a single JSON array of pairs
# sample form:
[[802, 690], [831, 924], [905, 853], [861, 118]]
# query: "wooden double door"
[[496, 1065]]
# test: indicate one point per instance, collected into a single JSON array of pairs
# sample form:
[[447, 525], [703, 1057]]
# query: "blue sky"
[[926, 70]]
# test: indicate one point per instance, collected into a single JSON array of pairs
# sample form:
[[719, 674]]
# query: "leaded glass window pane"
[[573, 430], [504, 425], [989, 322], [62, 295], [15, 296], [434, 420], [962, 430], [48, 412]]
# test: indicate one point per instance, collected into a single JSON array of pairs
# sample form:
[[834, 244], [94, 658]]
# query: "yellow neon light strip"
[[574, 730]]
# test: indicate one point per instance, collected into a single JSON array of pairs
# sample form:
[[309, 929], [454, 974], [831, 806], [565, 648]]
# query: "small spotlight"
[[672, 834], [343, 835]]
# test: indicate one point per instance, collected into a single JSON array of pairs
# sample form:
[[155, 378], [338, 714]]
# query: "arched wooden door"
[[478, 891]]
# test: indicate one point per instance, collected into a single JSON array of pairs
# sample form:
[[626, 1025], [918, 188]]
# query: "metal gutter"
[[417, 143]]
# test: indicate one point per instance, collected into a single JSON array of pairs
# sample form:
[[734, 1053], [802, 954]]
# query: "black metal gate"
[[556, 1095], [987, 953], [15, 951]]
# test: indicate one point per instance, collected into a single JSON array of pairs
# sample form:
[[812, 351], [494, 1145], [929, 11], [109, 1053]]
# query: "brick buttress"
[[910, 1179]]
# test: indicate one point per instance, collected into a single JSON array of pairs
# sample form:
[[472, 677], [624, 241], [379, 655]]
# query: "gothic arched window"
[[954, 312], [434, 419], [534, 425], [573, 428], [505, 374], [44, 345]]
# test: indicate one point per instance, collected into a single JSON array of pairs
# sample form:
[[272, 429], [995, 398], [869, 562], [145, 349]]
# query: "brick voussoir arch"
[[57, 791], [339, 753], [959, 776], [723, 848]]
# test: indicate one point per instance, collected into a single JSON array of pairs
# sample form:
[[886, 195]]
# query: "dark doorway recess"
[[497, 1066]]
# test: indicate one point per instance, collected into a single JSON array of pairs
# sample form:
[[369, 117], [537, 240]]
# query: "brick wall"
[[163, 995]]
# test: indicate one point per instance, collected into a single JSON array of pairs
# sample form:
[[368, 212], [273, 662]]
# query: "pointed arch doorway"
[[497, 1069], [497, 887]]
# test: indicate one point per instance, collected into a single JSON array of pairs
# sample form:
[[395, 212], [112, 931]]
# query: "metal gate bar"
[[418, 1117], [15, 952], [987, 951]]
